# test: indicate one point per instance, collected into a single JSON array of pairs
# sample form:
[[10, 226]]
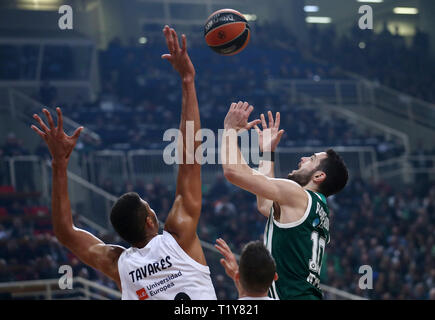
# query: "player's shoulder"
[[296, 196], [318, 198], [114, 251], [292, 188]]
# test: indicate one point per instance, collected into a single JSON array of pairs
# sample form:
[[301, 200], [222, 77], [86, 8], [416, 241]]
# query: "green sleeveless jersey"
[[298, 250]]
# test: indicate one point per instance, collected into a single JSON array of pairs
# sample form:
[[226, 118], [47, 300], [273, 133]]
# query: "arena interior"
[[368, 93]]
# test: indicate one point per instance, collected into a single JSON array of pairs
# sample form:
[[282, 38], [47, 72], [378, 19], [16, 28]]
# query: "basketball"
[[227, 32]]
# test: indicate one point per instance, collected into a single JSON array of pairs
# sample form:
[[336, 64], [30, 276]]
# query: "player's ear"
[[149, 221], [319, 176], [275, 277]]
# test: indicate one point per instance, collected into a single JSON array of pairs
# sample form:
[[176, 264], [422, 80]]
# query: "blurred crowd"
[[141, 96], [60, 62], [140, 93], [389, 229], [373, 224], [385, 57]]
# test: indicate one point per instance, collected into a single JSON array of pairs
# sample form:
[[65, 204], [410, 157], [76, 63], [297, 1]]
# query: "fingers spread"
[[39, 132], [77, 133], [263, 121], [41, 123], [169, 39], [270, 116], [184, 43], [277, 120], [249, 109], [49, 118], [59, 119], [224, 263], [175, 40], [253, 123], [224, 244]]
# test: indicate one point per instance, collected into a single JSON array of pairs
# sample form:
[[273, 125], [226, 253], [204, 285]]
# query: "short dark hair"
[[257, 268], [128, 218], [336, 173]]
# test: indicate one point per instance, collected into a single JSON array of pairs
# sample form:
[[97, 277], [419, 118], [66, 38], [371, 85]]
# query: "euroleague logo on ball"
[[227, 32]]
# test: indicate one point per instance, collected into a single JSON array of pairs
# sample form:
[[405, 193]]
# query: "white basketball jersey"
[[162, 270]]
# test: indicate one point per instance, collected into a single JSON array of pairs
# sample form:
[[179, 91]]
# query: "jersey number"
[[318, 249]]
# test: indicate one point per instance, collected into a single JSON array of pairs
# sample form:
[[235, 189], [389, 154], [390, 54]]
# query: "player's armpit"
[[263, 206]]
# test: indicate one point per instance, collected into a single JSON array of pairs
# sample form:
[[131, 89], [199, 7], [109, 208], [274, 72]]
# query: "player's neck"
[[244, 294], [143, 243], [311, 186]]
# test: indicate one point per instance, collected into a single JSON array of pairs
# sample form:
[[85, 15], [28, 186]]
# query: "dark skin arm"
[[88, 248], [183, 219]]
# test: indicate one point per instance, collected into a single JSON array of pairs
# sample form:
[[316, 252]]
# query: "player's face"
[[306, 168], [152, 213]]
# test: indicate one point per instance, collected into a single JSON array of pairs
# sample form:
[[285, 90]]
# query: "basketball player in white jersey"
[[167, 266], [256, 272]]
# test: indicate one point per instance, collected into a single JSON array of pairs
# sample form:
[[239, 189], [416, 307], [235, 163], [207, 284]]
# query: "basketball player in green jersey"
[[297, 230]]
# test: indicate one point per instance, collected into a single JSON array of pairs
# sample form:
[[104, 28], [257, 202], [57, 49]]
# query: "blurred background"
[[369, 94]]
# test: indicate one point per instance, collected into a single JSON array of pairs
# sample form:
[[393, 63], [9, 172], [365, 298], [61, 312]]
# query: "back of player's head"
[[256, 268], [336, 173], [128, 218]]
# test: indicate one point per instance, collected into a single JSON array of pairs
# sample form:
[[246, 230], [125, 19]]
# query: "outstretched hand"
[[229, 261], [177, 56], [270, 136], [59, 143], [237, 117]]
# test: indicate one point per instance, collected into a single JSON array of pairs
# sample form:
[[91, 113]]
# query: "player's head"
[[326, 170], [257, 269], [133, 219]]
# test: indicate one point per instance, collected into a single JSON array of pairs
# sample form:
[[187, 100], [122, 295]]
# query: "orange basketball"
[[227, 32]]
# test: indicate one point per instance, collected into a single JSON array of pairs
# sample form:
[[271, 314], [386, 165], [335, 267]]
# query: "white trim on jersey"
[[301, 220], [274, 293], [268, 242], [318, 196]]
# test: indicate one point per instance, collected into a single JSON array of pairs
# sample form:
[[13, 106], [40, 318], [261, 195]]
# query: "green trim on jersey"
[[298, 250]]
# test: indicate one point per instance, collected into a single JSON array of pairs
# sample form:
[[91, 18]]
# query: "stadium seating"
[[371, 224], [389, 228]]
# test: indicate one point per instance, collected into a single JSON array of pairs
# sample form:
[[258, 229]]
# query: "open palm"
[[178, 56], [59, 143], [269, 137]]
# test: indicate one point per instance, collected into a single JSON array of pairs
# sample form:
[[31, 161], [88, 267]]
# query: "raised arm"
[[269, 138], [237, 171], [230, 264], [88, 248], [182, 223]]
